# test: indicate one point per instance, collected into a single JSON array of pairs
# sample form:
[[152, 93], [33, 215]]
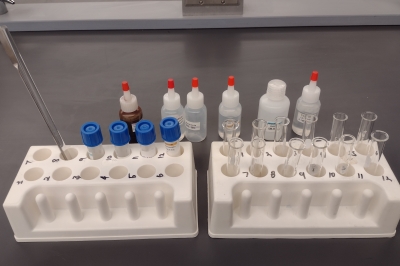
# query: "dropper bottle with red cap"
[[195, 114], [230, 107], [173, 108], [307, 104], [130, 112]]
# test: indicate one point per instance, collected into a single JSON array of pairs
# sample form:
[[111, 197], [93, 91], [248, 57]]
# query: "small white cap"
[[276, 90], [128, 102], [230, 97], [172, 100], [128, 106], [195, 99], [310, 94]]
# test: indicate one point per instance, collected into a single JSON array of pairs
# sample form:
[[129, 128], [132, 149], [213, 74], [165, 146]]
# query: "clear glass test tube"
[[230, 127], [308, 132], [345, 155], [280, 146], [257, 156], [296, 147], [234, 154], [259, 126], [375, 150], [338, 124], [367, 124], [318, 151]]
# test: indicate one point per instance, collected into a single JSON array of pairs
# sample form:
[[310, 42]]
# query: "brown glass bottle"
[[131, 119]]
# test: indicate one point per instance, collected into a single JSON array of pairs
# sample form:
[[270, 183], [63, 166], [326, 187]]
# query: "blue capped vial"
[[119, 136], [170, 133], [146, 135], [93, 139]]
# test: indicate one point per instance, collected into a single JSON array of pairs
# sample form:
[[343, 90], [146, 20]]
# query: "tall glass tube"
[[280, 146], [259, 126], [338, 124], [318, 151], [367, 124], [308, 132], [234, 154], [346, 145], [257, 156], [296, 147], [375, 150], [230, 127]]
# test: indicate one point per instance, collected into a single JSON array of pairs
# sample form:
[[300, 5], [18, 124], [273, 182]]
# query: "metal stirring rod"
[[17, 61]]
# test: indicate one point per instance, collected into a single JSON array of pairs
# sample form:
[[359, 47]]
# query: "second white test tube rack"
[[106, 199], [303, 206]]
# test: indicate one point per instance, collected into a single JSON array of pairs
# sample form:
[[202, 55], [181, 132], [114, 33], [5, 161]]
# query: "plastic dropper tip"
[[314, 76], [231, 81], [171, 84], [125, 86], [195, 82]]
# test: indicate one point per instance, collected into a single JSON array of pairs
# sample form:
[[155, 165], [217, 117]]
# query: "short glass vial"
[[146, 135], [92, 139], [170, 133], [119, 136]]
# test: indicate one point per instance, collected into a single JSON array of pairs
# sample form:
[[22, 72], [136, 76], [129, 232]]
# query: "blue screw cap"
[[119, 133], [170, 129], [145, 133], [91, 134]]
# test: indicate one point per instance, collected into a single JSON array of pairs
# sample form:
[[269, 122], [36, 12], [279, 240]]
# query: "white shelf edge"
[[168, 15]]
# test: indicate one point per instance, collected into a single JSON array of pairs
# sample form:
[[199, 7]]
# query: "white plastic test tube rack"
[[303, 206], [106, 199]]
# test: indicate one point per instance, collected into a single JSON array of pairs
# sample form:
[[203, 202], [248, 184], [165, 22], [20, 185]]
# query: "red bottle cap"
[[314, 76], [171, 84], [195, 82], [125, 86], [231, 81]]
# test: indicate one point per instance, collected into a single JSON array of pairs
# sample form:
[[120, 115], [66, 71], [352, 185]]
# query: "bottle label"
[[301, 117], [180, 119], [133, 127], [270, 126], [192, 125]]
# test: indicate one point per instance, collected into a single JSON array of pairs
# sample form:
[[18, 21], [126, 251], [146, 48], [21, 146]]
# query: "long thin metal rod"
[[17, 61]]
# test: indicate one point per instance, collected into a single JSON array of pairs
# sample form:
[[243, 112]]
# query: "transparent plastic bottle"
[[273, 103], [195, 114], [308, 103], [173, 108], [230, 107]]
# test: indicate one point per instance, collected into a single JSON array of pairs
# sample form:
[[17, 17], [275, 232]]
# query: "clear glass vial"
[[338, 124], [289, 168], [93, 139], [257, 156], [375, 150], [318, 152], [234, 155], [345, 155], [367, 124], [280, 144], [230, 127], [119, 136]]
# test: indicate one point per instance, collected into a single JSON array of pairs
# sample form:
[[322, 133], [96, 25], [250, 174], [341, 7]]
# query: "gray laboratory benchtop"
[[79, 75]]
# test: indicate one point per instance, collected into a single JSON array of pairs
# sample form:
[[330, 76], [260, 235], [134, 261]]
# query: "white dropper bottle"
[[172, 107], [308, 103], [195, 114], [230, 107]]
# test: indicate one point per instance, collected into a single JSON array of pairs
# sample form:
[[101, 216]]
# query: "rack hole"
[[146, 171], [33, 174], [61, 173], [374, 170], [71, 152], [174, 170], [315, 171], [349, 171], [118, 172], [263, 172], [90, 173], [42, 154]]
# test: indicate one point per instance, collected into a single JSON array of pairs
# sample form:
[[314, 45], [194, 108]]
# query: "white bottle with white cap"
[[308, 103], [272, 104], [230, 107], [195, 114], [173, 108]]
